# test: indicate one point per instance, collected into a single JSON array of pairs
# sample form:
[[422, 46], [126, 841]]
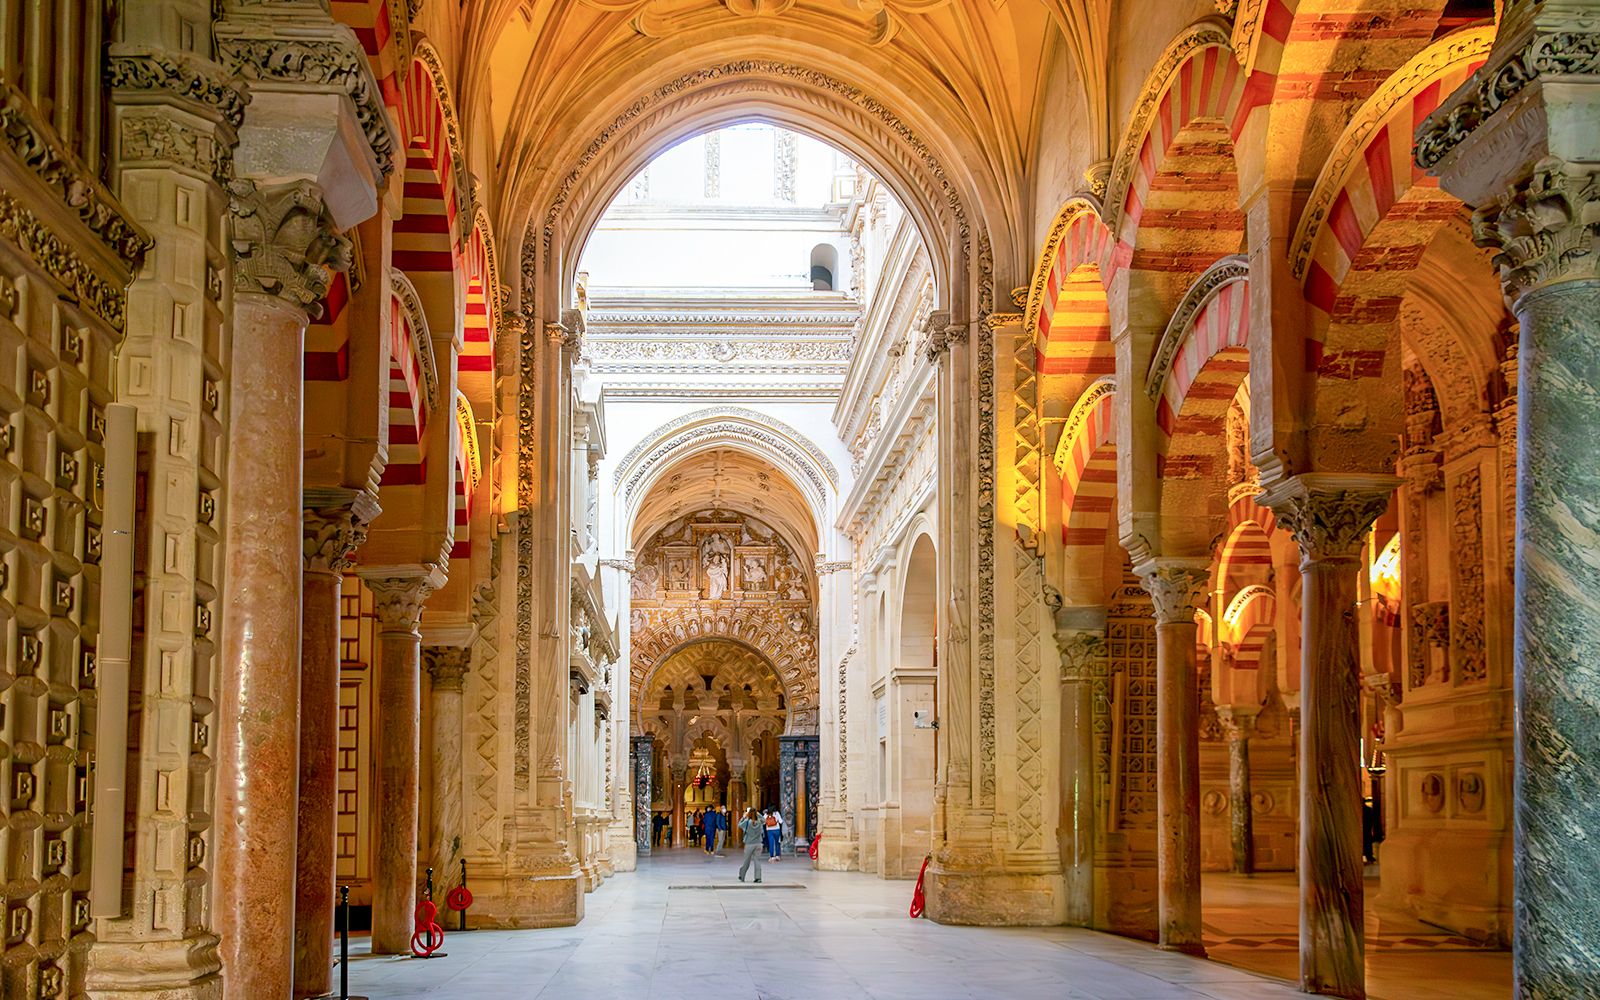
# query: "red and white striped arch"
[[408, 397], [1373, 211], [384, 42], [427, 236], [1250, 614], [468, 473], [1086, 459], [1198, 86], [475, 366], [1211, 361], [1246, 557], [1070, 315]]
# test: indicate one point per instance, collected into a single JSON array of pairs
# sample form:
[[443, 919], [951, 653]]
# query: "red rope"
[[814, 842], [918, 901]]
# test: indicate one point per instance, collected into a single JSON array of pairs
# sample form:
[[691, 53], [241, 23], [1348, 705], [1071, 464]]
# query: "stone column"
[[447, 667], [397, 747], [334, 526], [738, 800], [789, 791], [1081, 639], [285, 251], [680, 776], [1177, 587], [1329, 515], [1239, 722], [1517, 142], [644, 759]]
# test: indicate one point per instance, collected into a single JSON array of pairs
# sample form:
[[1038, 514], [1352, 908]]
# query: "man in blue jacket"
[[710, 824]]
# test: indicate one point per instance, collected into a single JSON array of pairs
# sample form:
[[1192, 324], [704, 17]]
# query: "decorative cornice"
[[1398, 87], [283, 242], [97, 292], [1329, 514], [1545, 230], [1224, 272], [621, 565], [314, 53], [71, 181], [192, 79], [826, 566], [422, 341], [1558, 53]]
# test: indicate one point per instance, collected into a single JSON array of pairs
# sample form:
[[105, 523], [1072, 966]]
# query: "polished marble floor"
[[832, 936]]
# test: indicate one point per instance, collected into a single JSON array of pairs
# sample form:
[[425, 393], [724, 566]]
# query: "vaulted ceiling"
[[732, 480]]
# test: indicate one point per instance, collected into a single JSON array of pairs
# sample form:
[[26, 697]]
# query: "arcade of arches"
[[1140, 456]]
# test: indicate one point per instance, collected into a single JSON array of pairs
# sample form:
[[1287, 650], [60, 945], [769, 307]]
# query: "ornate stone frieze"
[[1545, 229], [96, 291], [1224, 272], [1329, 514], [446, 665], [333, 533], [824, 567], [987, 466], [460, 176], [1552, 53], [1177, 587], [621, 565], [1467, 645], [318, 53], [398, 600], [158, 137], [71, 181], [192, 79], [284, 242]]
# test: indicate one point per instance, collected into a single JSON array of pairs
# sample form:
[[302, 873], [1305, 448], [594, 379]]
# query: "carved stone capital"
[[398, 600], [938, 329], [283, 242], [1238, 721], [1083, 653], [1329, 514], [1177, 587], [446, 665], [1097, 177], [333, 531], [1544, 230]]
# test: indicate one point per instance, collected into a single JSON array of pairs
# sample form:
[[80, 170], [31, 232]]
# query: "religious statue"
[[755, 573], [715, 557]]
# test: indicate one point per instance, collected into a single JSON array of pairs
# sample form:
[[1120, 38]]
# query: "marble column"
[[738, 800], [334, 526], [680, 779], [447, 667], [1080, 635], [1238, 723], [788, 789], [644, 758], [258, 710], [1329, 515], [1177, 587], [396, 745], [1517, 142]]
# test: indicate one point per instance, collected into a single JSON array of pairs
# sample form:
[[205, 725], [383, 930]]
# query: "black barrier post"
[[344, 945], [463, 911]]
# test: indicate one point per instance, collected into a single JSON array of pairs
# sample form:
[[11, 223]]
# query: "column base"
[[511, 901], [839, 851], [994, 899], [156, 970]]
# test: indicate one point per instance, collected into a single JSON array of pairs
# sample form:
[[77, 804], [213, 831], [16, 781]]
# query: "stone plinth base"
[[994, 899], [837, 855], [527, 901], [156, 970]]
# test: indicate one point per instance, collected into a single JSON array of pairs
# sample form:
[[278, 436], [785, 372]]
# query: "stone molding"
[[71, 181], [283, 242], [1544, 230], [621, 565], [1177, 587], [310, 51], [730, 421], [937, 341], [1329, 514], [422, 342], [398, 600], [446, 666], [334, 531], [150, 133], [193, 80], [1219, 275], [98, 293]]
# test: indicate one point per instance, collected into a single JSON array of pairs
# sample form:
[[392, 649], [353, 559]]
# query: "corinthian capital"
[[334, 530], [1329, 514], [446, 665], [1177, 587], [398, 600], [1543, 229], [284, 242]]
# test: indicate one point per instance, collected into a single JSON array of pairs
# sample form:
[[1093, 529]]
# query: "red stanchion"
[[814, 842], [429, 936], [918, 901], [459, 898]]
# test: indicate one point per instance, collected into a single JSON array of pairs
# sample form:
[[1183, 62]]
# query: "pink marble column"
[[1329, 516], [1238, 723], [335, 524], [397, 747], [447, 668], [258, 731], [1177, 587]]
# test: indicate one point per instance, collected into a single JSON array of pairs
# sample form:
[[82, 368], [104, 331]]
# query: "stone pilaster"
[[173, 119], [1177, 587], [1517, 142], [334, 526], [1080, 635], [1238, 723], [447, 669], [397, 746], [1329, 515]]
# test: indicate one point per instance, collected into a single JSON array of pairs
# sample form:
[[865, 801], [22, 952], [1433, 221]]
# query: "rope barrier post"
[[344, 945], [460, 897], [428, 937]]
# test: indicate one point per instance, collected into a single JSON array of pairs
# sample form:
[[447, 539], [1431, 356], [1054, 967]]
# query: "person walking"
[[708, 827], [769, 833], [694, 827], [751, 829], [723, 828]]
